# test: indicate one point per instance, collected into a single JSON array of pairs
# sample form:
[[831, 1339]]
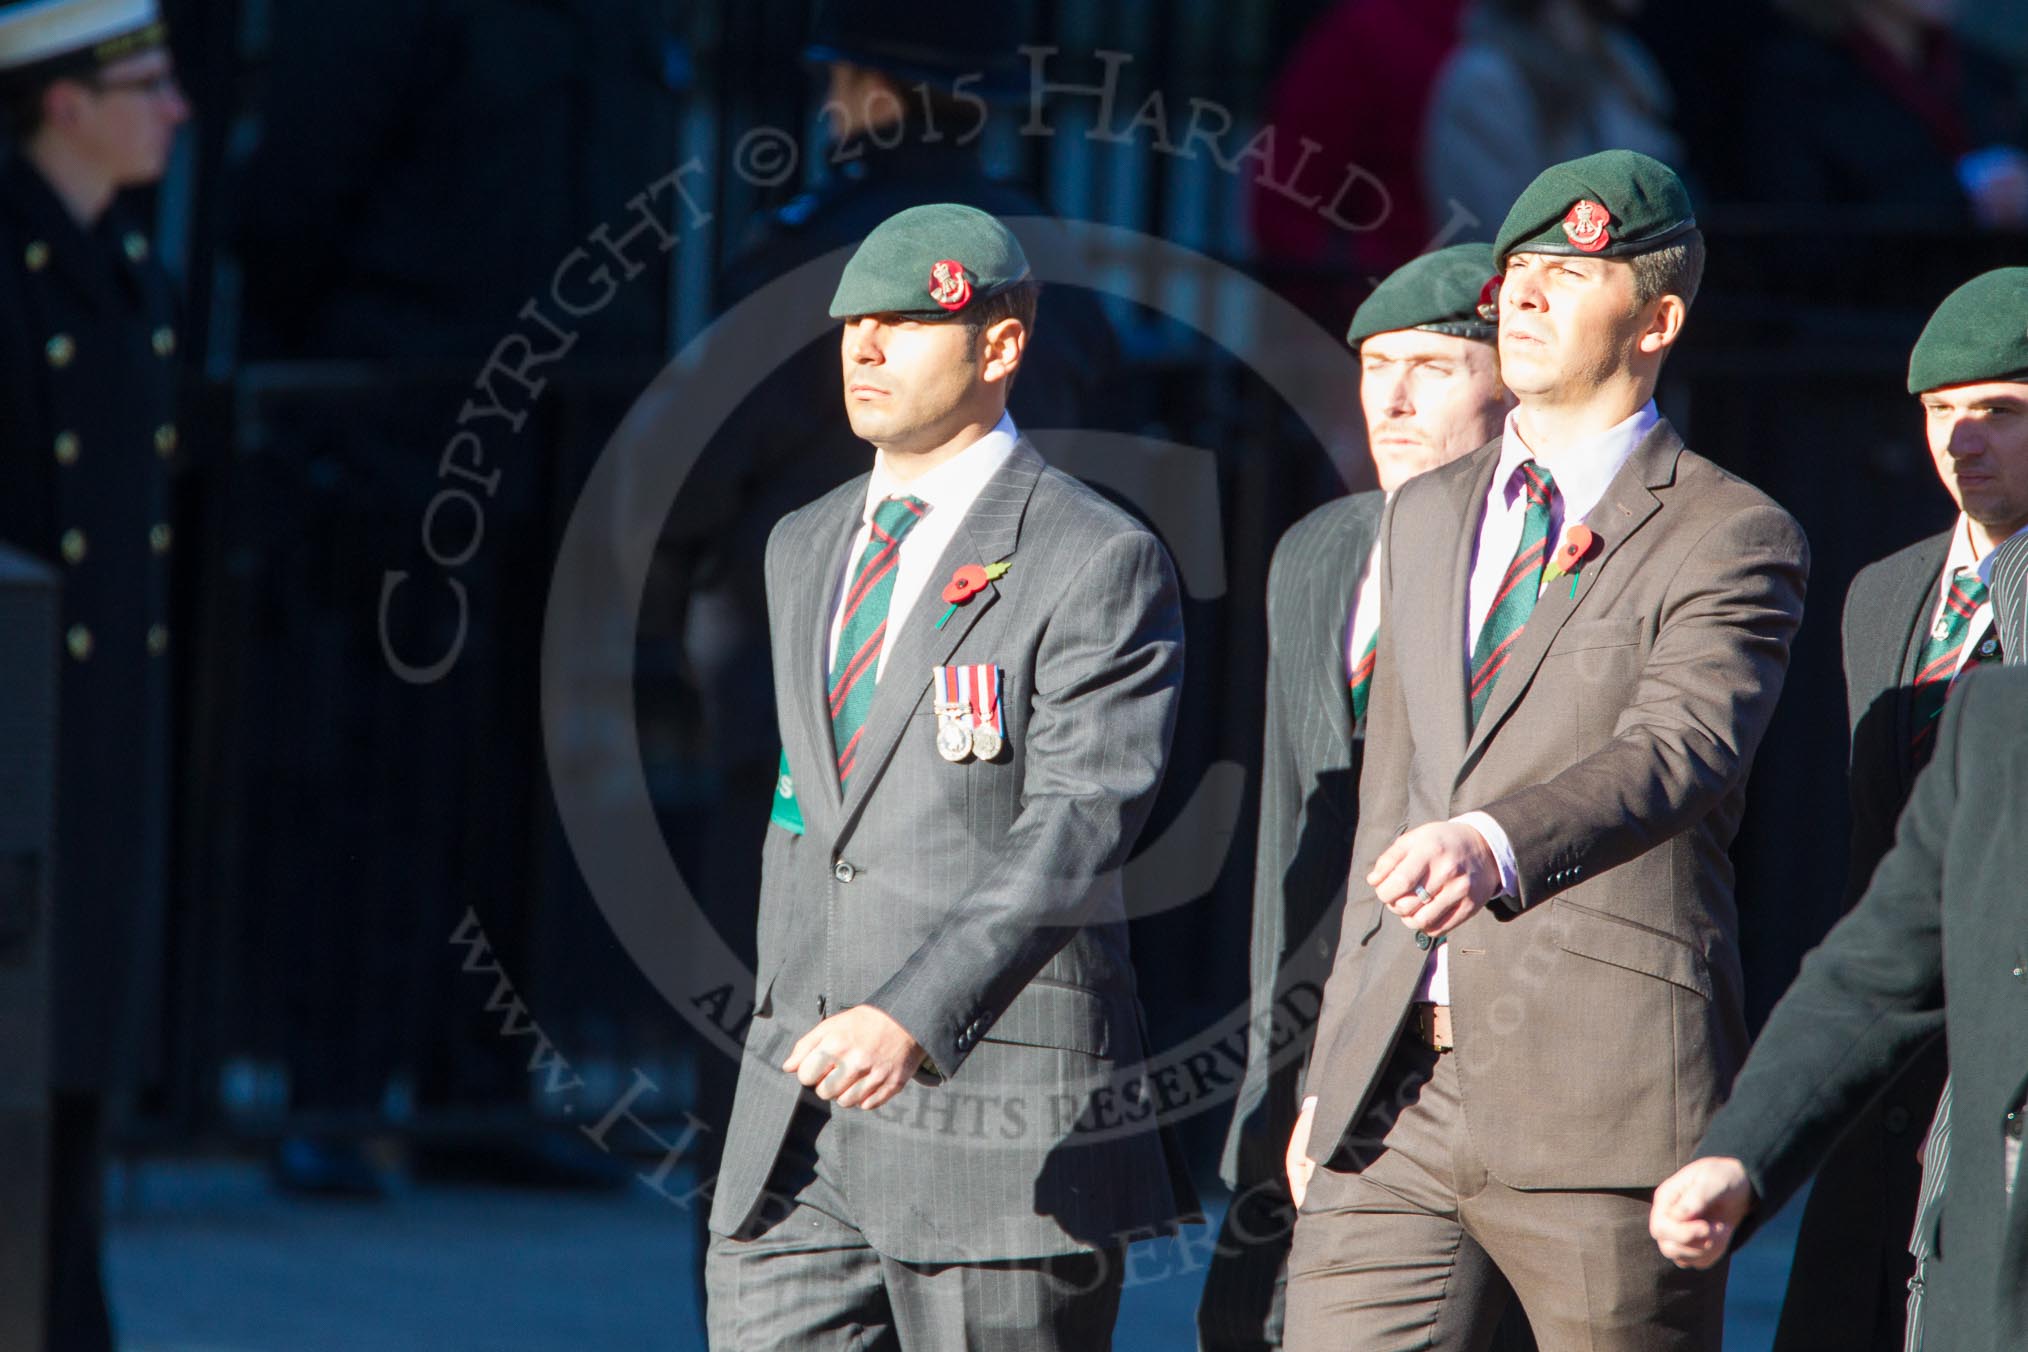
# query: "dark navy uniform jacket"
[[87, 440]]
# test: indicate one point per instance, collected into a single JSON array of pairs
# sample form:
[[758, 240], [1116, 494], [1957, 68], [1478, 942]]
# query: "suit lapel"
[[988, 534], [1330, 628], [825, 536], [1915, 598], [1628, 503]]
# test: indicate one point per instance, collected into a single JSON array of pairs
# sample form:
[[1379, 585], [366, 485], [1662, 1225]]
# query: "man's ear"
[[1664, 326], [61, 102], [1001, 346]]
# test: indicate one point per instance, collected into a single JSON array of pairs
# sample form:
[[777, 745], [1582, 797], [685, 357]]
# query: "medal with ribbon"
[[989, 730], [954, 732], [970, 721]]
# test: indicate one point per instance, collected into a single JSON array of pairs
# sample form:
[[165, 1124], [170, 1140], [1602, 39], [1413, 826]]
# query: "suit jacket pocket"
[[1049, 1014], [1582, 635], [1637, 948]]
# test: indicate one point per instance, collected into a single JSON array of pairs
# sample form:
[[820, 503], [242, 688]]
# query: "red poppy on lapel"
[[967, 582], [964, 582], [1573, 549]]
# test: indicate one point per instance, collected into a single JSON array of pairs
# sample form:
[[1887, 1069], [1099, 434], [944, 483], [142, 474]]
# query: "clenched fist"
[[857, 1058], [1698, 1209]]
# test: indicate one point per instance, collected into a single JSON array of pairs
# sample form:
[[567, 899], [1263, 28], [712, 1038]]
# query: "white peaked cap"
[[35, 31]]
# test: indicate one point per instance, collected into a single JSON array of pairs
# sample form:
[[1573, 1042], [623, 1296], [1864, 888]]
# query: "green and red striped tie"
[[1515, 601], [856, 667], [1937, 669], [1361, 678]]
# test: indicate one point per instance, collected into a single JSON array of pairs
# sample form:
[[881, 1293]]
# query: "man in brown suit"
[[1536, 1001]]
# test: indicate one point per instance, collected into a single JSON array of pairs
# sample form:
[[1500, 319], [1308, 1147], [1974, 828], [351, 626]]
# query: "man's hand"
[[1698, 1209], [857, 1058], [1451, 862], [1298, 1162]]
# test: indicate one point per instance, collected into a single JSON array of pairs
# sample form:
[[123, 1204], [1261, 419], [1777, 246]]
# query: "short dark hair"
[[23, 93], [21, 108], [1673, 270], [1016, 302]]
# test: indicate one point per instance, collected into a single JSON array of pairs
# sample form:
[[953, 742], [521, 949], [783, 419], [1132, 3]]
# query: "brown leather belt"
[[1430, 1025]]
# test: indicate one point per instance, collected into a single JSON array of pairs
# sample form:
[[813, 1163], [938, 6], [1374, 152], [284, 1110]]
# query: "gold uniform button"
[[159, 538], [136, 245], [67, 447], [72, 543], [165, 439], [158, 639], [36, 255], [165, 341], [79, 642], [60, 350]]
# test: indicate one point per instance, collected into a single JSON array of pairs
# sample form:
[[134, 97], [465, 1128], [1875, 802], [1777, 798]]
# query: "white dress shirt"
[[1582, 473], [949, 489], [1964, 556]]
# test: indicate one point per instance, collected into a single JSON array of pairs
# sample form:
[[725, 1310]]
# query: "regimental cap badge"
[[1587, 225], [948, 284], [1489, 298]]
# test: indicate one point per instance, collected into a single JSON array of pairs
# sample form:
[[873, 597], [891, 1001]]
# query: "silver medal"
[[986, 743], [954, 739]]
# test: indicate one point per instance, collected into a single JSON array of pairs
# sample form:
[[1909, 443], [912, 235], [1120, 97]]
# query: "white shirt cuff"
[[1309, 1103], [1502, 848]]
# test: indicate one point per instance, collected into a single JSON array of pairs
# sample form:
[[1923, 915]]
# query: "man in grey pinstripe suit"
[[1430, 390], [940, 1138]]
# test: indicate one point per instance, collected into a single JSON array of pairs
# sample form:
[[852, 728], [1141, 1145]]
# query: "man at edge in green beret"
[[1916, 623]]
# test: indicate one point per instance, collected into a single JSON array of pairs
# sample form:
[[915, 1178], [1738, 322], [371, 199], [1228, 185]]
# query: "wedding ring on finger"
[[1423, 892]]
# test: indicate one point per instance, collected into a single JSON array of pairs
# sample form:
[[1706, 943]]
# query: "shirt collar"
[[1961, 558], [1582, 472], [952, 485]]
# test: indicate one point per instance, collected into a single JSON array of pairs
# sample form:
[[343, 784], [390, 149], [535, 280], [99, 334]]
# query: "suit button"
[[844, 872], [136, 246], [159, 537], [2020, 972], [164, 341], [36, 255], [60, 350], [158, 639], [67, 448], [72, 544], [165, 440], [1896, 1119], [78, 642]]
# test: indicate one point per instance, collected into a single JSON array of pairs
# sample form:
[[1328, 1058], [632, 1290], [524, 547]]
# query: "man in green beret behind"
[[1536, 1001], [1429, 385], [940, 1137], [1915, 623]]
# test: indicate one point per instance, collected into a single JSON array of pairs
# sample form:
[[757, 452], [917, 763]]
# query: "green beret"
[[1614, 204], [1980, 332], [930, 262], [1439, 292]]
